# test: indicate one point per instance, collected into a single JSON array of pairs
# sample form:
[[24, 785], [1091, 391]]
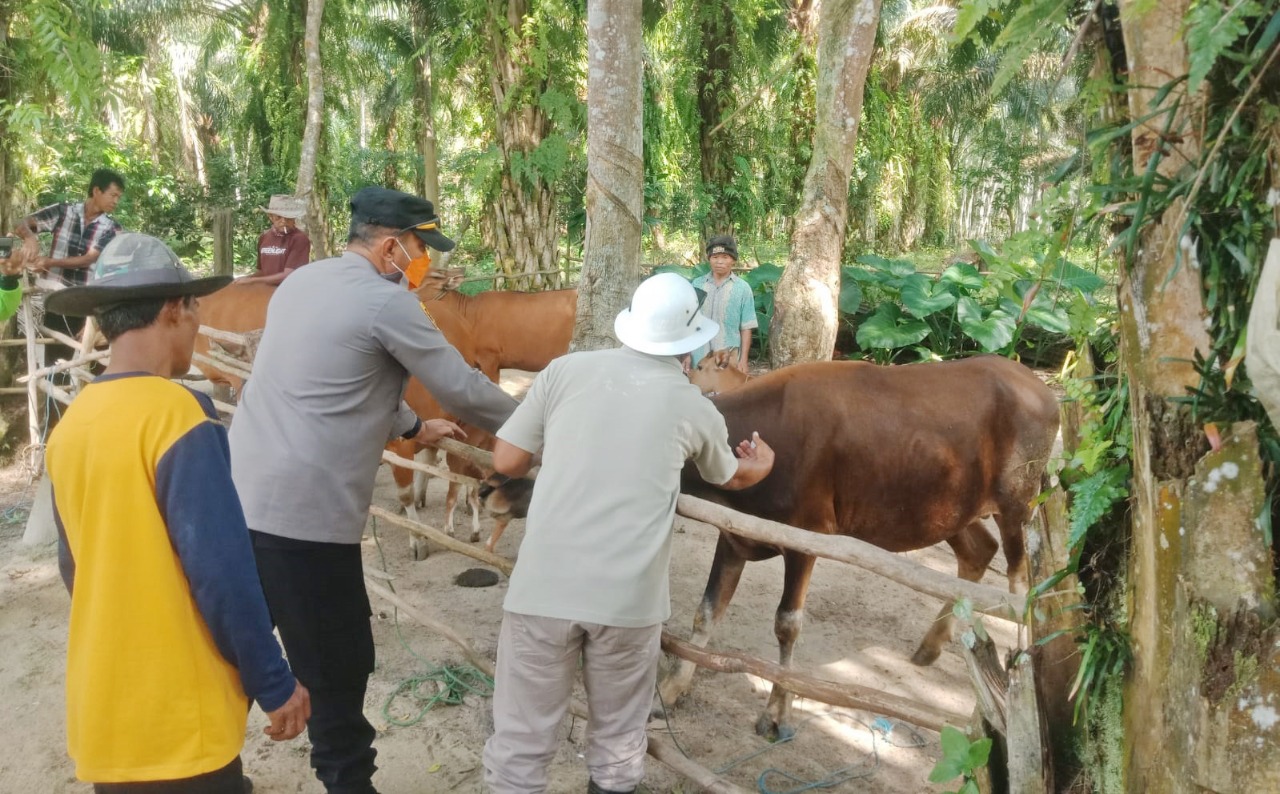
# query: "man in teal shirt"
[[728, 302]]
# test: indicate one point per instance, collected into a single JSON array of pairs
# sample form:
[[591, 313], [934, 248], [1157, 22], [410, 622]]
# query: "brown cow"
[[238, 308], [902, 457], [519, 330], [716, 373]]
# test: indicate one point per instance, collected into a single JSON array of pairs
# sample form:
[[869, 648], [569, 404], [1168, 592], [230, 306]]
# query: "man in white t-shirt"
[[615, 428]]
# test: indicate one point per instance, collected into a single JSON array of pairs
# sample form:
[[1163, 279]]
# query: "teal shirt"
[[730, 304]]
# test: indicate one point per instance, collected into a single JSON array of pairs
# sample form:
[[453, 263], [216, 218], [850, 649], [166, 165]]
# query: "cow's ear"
[[722, 359]]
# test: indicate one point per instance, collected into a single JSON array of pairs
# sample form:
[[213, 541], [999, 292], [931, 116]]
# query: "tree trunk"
[[715, 92], [424, 100], [524, 211], [805, 318], [311, 133], [1202, 602], [615, 171]]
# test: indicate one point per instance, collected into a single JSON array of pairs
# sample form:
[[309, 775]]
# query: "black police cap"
[[395, 210]]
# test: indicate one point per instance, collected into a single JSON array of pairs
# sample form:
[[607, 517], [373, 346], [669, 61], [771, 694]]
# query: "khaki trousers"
[[537, 661]]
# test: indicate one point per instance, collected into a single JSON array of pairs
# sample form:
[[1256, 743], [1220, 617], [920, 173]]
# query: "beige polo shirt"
[[615, 428]]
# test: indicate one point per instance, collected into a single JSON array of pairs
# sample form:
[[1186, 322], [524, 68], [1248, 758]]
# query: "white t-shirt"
[[615, 428]]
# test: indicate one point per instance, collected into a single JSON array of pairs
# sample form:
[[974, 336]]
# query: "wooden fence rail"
[[986, 599]]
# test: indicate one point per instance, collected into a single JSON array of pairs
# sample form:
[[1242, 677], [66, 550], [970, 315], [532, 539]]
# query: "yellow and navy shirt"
[[169, 633]]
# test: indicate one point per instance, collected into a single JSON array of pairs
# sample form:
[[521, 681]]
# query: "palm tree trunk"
[[311, 133], [715, 90], [615, 170], [424, 100], [805, 319], [525, 227]]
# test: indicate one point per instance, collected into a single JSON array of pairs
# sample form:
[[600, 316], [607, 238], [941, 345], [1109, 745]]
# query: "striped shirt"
[[730, 304], [72, 236]]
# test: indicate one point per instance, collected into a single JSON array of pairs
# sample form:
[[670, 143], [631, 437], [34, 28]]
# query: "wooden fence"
[[987, 600]]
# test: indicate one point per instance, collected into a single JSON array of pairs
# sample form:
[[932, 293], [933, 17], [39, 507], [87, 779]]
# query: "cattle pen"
[[1001, 689]]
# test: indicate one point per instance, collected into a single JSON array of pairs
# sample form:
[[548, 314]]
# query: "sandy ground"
[[859, 628]]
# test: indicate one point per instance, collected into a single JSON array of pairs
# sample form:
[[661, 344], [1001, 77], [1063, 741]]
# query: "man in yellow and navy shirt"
[[170, 638]]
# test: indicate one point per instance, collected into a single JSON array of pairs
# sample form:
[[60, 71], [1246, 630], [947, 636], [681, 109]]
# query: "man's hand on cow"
[[433, 430], [754, 449], [742, 365], [290, 719]]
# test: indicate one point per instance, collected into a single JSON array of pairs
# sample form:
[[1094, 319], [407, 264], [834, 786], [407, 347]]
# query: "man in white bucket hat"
[[615, 428], [284, 247]]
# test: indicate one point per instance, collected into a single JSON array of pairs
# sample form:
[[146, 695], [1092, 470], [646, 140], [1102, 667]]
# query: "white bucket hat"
[[286, 207], [663, 318]]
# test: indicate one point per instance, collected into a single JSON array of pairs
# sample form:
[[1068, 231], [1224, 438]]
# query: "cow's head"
[[716, 373]]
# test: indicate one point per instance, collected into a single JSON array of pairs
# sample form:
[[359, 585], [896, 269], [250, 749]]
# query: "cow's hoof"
[[925, 656], [475, 537], [769, 728], [419, 550]]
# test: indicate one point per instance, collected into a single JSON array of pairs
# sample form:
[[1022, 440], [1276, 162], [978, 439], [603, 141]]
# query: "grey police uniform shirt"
[[615, 428], [327, 394]]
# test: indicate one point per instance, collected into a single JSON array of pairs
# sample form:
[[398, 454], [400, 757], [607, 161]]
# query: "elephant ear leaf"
[[992, 332], [888, 328]]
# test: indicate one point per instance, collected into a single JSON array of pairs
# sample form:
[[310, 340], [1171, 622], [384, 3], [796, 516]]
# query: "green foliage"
[[961, 758], [1213, 26], [1105, 655]]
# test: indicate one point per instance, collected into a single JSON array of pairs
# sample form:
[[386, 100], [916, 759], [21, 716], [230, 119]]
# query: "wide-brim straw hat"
[[286, 207]]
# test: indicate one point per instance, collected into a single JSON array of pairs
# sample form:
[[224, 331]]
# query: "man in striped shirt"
[[81, 229]]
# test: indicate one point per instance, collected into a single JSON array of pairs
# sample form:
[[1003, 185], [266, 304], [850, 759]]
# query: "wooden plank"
[[481, 663], [53, 391], [222, 227], [435, 471], [830, 692], [482, 458], [35, 360], [453, 544], [986, 599], [1029, 753]]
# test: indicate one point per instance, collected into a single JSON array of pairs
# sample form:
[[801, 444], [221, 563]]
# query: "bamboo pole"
[[63, 366], [34, 362], [223, 336], [830, 692], [480, 457], [53, 391], [453, 544], [669, 754], [17, 342], [435, 471], [243, 374], [70, 342], [986, 599]]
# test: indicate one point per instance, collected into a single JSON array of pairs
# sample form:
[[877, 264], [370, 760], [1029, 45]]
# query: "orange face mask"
[[416, 270]]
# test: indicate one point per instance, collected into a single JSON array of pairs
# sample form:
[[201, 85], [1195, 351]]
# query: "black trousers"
[[227, 780], [316, 595]]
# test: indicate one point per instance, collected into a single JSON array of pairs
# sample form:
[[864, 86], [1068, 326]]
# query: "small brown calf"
[[504, 499], [716, 373]]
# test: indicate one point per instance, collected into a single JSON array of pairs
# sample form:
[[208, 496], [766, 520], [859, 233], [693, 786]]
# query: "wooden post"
[[35, 362], [224, 223]]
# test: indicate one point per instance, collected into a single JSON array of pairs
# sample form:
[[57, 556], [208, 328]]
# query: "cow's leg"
[[428, 455], [499, 526], [726, 570], [974, 548], [473, 499], [1012, 520], [775, 721], [450, 504], [405, 493]]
